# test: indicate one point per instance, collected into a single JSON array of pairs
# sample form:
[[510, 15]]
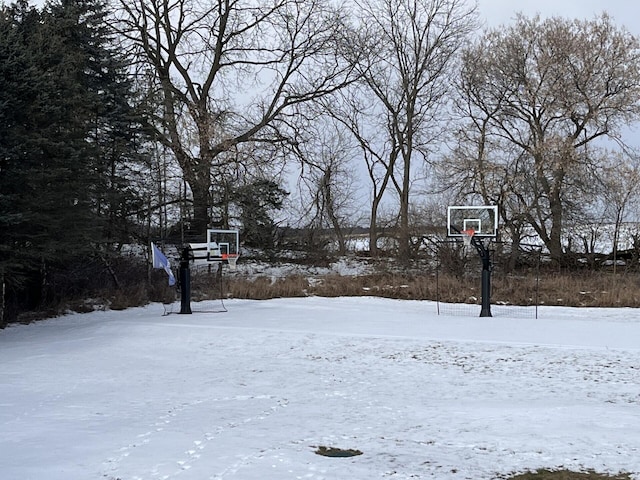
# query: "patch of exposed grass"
[[337, 452], [567, 475]]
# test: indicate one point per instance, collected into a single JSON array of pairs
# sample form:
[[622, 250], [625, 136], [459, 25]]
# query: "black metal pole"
[[185, 281], [485, 255], [486, 293]]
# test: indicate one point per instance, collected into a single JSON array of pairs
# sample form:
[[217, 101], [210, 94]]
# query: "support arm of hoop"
[[480, 248]]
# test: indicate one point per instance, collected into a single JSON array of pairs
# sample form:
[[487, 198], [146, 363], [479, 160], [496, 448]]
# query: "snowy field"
[[252, 393]]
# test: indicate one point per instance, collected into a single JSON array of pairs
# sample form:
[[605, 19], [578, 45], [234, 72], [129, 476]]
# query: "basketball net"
[[232, 261], [467, 236]]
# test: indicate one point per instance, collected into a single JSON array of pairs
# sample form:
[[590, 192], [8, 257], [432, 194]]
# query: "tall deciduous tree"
[[404, 52], [228, 72], [549, 88], [327, 182]]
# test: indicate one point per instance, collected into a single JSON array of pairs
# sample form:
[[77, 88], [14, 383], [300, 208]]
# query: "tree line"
[[123, 121]]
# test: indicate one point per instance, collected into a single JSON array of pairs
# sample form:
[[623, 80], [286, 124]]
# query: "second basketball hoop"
[[481, 222]]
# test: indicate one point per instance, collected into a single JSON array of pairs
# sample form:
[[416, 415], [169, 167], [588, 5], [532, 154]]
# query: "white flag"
[[160, 261]]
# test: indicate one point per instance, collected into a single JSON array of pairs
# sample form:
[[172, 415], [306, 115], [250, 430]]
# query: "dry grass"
[[567, 475], [594, 289]]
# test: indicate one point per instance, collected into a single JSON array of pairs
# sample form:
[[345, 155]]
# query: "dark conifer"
[[67, 137]]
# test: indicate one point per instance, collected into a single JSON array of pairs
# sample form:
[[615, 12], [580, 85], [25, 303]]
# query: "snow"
[[344, 266], [252, 393]]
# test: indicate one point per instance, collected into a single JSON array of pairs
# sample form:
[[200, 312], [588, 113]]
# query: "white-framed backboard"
[[218, 247], [221, 244], [483, 220]]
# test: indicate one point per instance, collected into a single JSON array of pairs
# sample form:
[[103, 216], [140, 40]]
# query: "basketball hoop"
[[232, 261], [467, 236]]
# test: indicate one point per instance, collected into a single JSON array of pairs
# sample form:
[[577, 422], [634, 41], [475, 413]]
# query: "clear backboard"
[[483, 220], [222, 244]]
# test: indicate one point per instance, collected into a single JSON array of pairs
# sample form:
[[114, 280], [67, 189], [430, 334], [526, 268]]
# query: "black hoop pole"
[[486, 283], [485, 256], [185, 281]]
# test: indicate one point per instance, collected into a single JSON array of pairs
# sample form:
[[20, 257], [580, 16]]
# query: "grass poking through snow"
[[567, 475]]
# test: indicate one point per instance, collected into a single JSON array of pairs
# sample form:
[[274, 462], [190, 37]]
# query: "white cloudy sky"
[[624, 12], [497, 12]]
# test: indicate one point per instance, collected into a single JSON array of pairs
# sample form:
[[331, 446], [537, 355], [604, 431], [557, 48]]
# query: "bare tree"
[[481, 167], [618, 176], [327, 181], [228, 71], [403, 51], [356, 111], [550, 88]]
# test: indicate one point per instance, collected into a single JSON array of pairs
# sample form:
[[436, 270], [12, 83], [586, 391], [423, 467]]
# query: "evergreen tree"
[[100, 94], [257, 202], [18, 146], [66, 133], [114, 128]]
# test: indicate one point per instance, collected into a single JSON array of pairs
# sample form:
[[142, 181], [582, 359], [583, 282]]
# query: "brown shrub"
[[580, 288]]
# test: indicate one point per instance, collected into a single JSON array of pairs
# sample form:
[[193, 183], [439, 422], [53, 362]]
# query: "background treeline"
[[125, 121]]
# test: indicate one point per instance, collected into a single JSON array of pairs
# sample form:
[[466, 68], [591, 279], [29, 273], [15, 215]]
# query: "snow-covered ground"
[[250, 394]]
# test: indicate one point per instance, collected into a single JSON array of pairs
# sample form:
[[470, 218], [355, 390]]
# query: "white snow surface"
[[252, 393]]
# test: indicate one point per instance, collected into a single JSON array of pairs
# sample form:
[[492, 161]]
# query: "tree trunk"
[[3, 293], [331, 213], [515, 250], [201, 220], [404, 239], [554, 243], [404, 236], [373, 228]]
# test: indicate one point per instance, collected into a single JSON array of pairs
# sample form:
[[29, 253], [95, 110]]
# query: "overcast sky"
[[498, 12], [624, 12]]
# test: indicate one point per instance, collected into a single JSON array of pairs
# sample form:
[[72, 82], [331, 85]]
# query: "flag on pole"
[[160, 261]]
